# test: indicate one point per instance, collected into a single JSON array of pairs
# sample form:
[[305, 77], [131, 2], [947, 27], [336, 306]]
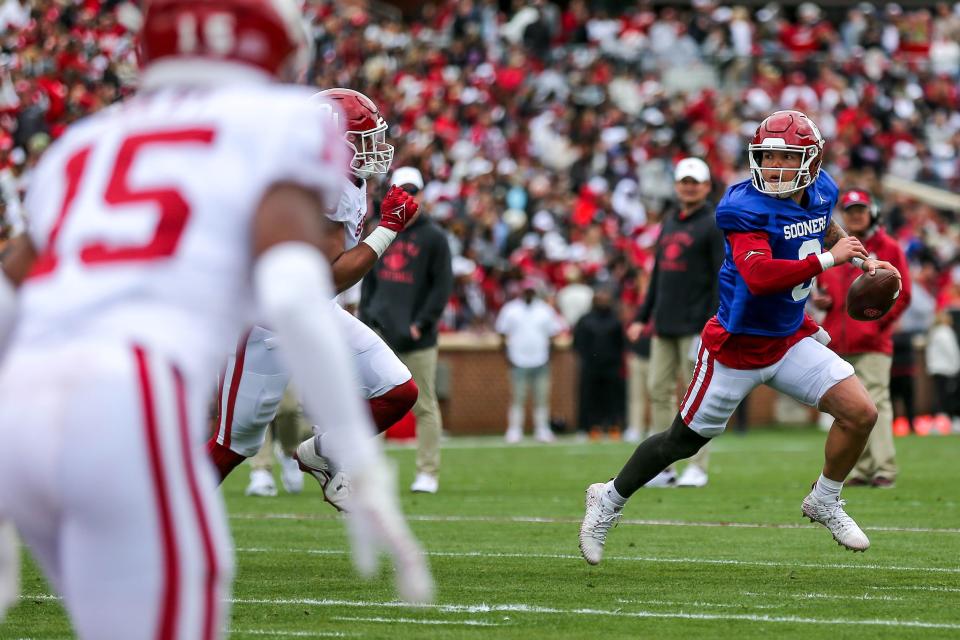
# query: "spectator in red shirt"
[[868, 346]]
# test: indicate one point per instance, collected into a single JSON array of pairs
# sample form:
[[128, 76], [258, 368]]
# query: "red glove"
[[398, 209]]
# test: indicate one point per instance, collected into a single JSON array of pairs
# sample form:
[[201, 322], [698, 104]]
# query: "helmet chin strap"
[[785, 190], [791, 189]]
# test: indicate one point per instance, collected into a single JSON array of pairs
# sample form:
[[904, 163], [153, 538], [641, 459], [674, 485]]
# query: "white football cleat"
[[291, 477], [261, 484], [425, 483], [692, 476], [376, 524], [334, 483], [831, 515], [597, 521], [664, 479]]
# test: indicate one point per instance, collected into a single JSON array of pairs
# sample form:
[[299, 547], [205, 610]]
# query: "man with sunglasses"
[[402, 299]]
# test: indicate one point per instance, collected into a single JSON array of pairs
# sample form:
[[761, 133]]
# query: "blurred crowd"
[[547, 132]]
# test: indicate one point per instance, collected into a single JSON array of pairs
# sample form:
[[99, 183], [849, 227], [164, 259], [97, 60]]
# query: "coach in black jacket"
[[402, 298], [682, 296]]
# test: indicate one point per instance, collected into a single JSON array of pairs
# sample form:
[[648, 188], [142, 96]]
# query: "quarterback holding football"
[[779, 235]]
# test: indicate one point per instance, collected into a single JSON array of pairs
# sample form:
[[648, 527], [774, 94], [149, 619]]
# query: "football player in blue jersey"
[[779, 236]]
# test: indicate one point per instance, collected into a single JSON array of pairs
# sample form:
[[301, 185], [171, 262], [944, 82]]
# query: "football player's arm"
[[349, 267], [18, 259], [839, 243], [397, 210], [764, 274]]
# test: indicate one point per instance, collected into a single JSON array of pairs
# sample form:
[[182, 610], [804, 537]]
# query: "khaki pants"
[[878, 458], [423, 367], [638, 397], [289, 428], [670, 363]]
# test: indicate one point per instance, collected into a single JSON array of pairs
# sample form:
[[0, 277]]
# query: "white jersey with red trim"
[[352, 211], [141, 216]]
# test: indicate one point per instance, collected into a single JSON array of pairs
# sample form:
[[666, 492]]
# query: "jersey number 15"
[[172, 206]]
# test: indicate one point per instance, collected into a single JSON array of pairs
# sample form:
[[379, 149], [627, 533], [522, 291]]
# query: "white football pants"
[[251, 391], [104, 474]]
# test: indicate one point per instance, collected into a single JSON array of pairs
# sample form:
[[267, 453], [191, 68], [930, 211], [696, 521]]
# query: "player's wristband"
[[858, 263], [826, 260], [379, 239]]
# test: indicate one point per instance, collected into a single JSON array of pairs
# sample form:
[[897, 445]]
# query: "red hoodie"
[[849, 336]]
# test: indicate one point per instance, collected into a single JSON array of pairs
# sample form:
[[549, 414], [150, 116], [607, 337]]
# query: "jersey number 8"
[[802, 290]]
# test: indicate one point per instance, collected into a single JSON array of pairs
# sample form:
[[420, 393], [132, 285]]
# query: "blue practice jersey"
[[794, 232]]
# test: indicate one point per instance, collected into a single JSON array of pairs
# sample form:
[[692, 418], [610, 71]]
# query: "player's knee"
[[408, 393], [223, 458], [860, 417], [866, 417], [681, 441], [388, 408]]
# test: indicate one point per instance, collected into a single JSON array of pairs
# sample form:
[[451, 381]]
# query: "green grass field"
[[732, 560]]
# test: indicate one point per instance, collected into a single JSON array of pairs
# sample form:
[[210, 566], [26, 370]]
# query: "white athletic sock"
[[827, 490], [613, 497]]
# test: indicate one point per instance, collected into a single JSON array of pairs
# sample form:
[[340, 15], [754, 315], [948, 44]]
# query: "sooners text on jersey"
[[794, 232]]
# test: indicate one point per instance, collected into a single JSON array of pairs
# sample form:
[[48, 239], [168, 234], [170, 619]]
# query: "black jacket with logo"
[[410, 284], [683, 291]]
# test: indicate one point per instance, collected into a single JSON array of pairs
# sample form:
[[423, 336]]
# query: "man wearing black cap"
[[402, 298], [868, 346], [682, 296]]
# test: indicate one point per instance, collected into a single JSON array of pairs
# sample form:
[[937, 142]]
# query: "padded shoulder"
[[743, 208]]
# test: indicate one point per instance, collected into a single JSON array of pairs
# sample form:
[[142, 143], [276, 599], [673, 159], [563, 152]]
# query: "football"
[[870, 297]]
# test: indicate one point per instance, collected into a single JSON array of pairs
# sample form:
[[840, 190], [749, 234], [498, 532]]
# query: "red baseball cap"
[[856, 196]]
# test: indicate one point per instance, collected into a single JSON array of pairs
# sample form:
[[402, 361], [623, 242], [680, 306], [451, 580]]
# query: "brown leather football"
[[870, 297]]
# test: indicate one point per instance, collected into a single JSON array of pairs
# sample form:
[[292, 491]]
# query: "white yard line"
[[700, 603], [821, 596], [292, 634], [618, 612], [653, 559], [625, 521], [534, 609], [469, 623], [921, 588]]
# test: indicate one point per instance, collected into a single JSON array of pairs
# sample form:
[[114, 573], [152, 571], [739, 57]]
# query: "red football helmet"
[[180, 38], [786, 131], [365, 131]]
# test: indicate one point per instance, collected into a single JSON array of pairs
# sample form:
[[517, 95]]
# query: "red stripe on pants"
[[701, 393], [696, 374], [169, 606], [227, 425], [210, 589]]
